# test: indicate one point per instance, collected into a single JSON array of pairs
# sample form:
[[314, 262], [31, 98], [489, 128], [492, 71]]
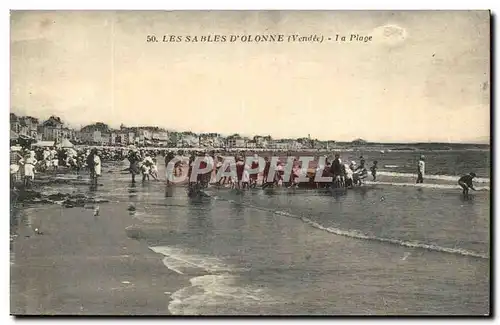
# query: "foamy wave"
[[441, 186], [208, 293], [391, 166], [359, 235], [437, 177], [182, 262], [412, 244], [216, 295]]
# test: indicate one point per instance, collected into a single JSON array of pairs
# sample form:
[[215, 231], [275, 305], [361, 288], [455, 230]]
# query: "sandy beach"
[[86, 265]]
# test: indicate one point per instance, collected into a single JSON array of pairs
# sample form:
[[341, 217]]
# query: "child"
[[360, 173], [374, 170], [147, 163], [267, 167], [348, 176], [218, 166], [278, 176], [245, 178], [153, 171]]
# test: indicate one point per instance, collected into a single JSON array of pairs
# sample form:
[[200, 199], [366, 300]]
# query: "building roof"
[[53, 121]]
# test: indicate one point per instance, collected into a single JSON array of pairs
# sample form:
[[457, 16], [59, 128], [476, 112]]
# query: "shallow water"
[[301, 269], [379, 249]]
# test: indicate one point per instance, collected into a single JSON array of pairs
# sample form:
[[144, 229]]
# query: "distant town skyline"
[[414, 83], [117, 127]]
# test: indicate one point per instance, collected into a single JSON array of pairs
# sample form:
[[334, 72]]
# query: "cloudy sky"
[[424, 77]]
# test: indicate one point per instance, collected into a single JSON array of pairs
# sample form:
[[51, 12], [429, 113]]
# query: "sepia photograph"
[[257, 162]]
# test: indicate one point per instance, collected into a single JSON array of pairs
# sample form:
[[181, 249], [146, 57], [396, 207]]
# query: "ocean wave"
[[208, 294], [181, 261], [411, 244], [360, 235], [436, 177], [440, 186], [216, 295]]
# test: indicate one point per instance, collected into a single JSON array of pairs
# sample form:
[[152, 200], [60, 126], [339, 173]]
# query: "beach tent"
[[43, 144], [65, 143]]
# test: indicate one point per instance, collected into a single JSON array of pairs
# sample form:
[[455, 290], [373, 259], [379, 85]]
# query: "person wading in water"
[[336, 171], [421, 170], [465, 183], [91, 164], [134, 159]]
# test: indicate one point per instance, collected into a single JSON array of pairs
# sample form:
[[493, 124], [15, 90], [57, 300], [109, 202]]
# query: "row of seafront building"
[[54, 129]]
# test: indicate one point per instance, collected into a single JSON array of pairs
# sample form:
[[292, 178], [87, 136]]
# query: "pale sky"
[[424, 77]]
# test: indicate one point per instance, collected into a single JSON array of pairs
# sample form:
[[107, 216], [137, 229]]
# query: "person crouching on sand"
[[465, 183]]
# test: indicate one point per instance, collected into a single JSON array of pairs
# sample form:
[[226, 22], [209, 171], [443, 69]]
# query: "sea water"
[[378, 249]]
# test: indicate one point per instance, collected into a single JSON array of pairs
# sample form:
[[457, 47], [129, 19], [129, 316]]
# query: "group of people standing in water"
[[343, 175], [144, 162]]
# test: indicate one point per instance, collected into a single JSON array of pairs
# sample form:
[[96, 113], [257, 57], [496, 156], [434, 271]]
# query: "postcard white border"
[[172, 5]]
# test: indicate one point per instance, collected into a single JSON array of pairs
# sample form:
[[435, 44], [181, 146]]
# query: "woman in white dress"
[[245, 179], [29, 169], [146, 165], [97, 166], [54, 159]]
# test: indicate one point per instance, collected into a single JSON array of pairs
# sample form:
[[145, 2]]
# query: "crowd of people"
[[26, 162]]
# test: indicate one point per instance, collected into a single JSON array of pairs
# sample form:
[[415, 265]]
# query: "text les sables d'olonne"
[[259, 38]]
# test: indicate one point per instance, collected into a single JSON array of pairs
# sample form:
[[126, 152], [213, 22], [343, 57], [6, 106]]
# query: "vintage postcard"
[[250, 163]]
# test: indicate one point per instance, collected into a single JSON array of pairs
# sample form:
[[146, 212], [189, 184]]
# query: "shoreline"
[[86, 265]]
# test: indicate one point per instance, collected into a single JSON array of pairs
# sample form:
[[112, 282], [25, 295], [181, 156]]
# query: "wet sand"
[[86, 265]]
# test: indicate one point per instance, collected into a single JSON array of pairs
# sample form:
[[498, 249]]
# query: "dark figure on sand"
[[466, 183], [336, 171]]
